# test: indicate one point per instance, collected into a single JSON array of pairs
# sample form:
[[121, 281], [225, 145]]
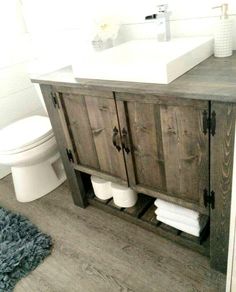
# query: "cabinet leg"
[[76, 187]]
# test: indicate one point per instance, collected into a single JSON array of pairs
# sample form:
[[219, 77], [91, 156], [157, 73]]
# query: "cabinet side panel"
[[222, 145], [185, 152]]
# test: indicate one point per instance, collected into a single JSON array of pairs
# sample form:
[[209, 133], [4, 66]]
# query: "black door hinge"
[[54, 96], [209, 122], [69, 155], [209, 198]]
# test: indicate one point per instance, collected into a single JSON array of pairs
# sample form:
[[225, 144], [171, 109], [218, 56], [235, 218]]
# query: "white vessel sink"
[[145, 60]]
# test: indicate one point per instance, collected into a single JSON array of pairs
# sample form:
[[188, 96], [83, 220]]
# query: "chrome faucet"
[[163, 21]]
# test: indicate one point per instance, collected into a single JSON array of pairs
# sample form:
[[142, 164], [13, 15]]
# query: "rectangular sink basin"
[[147, 61]]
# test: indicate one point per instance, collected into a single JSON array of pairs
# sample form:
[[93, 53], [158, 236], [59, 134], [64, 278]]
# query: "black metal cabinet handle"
[[115, 139], [124, 141], [205, 122], [213, 123]]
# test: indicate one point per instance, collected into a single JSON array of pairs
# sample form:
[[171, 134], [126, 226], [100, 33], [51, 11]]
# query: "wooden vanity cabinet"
[[170, 148]]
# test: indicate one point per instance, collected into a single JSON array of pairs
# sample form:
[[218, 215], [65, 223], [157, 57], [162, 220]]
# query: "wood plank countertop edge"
[[213, 79]]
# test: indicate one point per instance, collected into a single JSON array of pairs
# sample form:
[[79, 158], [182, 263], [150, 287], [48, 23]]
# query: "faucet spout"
[[163, 21]]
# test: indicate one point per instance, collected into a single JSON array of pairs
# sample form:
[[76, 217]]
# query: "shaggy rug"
[[22, 248]]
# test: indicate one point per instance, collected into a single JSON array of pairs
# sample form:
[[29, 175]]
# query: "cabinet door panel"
[[103, 119], [169, 151], [91, 121], [185, 152], [79, 125], [146, 140]]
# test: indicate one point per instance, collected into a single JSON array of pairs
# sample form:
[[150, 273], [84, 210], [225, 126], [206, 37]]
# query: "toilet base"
[[34, 181]]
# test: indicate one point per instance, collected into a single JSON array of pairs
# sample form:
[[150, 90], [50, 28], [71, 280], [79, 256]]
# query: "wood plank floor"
[[97, 252]]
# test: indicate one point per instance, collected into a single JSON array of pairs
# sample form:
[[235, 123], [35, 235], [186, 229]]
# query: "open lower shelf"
[[143, 214]]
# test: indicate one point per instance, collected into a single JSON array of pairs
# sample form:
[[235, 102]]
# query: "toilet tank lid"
[[24, 132]]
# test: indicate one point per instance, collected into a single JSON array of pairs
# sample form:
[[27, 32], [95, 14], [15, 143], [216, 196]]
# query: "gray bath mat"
[[22, 248]]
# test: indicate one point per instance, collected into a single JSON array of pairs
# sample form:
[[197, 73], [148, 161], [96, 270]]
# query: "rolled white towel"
[[180, 218], [180, 226], [177, 209]]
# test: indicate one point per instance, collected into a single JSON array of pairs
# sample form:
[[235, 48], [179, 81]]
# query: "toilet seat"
[[30, 156], [28, 147], [25, 134]]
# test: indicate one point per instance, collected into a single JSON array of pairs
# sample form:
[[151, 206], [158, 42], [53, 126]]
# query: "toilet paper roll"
[[101, 187], [123, 196]]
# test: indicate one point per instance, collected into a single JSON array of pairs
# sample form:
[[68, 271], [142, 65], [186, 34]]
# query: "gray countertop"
[[213, 79]]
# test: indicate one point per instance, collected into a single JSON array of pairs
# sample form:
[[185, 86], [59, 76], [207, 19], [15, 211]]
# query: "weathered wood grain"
[[169, 151], [92, 120], [74, 92], [103, 119], [128, 156], [101, 132], [186, 154], [222, 145], [98, 173], [66, 129], [147, 144], [74, 178], [82, 136], [158, 99]]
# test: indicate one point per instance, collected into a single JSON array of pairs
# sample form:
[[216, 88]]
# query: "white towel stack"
[[180, 218]]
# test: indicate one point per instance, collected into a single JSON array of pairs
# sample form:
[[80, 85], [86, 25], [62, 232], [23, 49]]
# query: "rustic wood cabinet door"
[[169, 155], [91, 123]]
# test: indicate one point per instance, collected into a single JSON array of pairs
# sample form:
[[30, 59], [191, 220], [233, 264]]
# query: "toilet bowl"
[[29, 147]]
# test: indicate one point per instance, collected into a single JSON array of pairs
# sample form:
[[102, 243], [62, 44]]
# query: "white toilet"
[[29, 147]]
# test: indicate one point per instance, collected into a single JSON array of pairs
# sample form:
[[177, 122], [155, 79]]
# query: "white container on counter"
[[223, 46], [123, 196], [102, 188]]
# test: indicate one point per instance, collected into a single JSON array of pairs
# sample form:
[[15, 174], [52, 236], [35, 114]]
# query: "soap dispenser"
[[223, 46]]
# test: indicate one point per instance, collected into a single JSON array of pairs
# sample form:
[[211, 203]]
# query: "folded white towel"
[[184, 227], [177, 209], [180, 218], [180, 226]]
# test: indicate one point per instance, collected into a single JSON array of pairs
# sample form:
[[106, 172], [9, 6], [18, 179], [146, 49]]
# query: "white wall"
[[57, 27], [18, 98], [188, 18]]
